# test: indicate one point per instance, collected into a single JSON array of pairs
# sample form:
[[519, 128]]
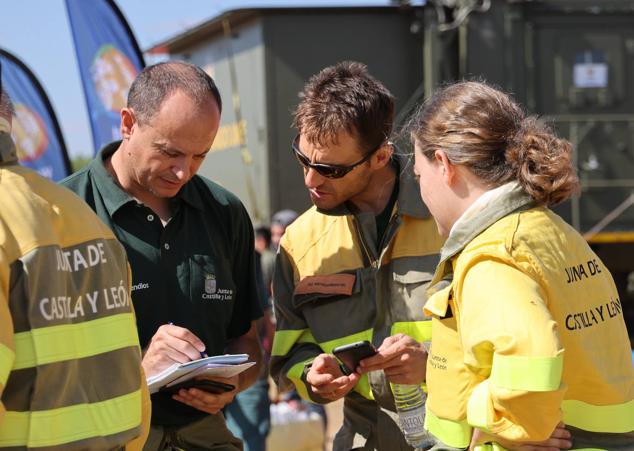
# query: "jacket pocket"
[[408, 291]]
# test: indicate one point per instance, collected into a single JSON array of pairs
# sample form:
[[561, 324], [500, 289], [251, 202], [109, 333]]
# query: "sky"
[[37, 32]]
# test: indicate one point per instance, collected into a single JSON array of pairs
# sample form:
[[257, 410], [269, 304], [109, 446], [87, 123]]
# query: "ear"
[[383, 155], [127, 122], [448, 168]]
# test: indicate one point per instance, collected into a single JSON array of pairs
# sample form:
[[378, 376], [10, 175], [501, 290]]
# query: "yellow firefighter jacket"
[[529, 332], [334, 284], [70, 363]]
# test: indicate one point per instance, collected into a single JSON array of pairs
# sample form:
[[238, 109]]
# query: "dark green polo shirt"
[[197, 272]]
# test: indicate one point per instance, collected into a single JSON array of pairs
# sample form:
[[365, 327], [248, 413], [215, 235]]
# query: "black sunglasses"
[[331, 171]]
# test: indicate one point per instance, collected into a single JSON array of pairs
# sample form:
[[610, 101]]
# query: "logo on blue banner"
[[29, 133], [109, 61], [35, 131]]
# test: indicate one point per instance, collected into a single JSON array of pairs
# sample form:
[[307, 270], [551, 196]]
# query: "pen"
[[202, 354]]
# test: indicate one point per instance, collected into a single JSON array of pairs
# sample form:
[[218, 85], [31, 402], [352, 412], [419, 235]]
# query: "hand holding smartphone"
[[351, 354]]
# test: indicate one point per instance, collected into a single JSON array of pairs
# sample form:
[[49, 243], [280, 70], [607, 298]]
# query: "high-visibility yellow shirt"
[[529, 332], [336, 283], [70, 362]]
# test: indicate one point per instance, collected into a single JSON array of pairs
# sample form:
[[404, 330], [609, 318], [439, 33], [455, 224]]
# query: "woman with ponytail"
[[527, 325]]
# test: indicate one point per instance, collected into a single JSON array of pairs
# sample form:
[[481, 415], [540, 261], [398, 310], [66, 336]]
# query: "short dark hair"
[[345, 97], [157, 82], [264, 232]]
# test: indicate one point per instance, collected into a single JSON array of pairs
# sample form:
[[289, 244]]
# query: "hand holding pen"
[[171, 344], [202, 353]]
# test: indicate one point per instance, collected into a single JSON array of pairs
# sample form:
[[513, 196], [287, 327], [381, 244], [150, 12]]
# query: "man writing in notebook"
[[189, 242]]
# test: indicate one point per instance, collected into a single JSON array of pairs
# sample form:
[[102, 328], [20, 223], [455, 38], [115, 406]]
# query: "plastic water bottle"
[[410, 405]]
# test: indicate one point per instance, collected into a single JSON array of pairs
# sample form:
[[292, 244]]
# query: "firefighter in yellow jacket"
[[528, 328], [356, 265], [70, 362]]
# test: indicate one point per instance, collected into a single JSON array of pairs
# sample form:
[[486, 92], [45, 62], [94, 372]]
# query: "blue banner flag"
[[36, 133], [109, 60]]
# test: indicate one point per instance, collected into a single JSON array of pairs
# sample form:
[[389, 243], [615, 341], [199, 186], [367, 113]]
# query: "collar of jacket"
[[482, 214], [409, 202], [8, 152]]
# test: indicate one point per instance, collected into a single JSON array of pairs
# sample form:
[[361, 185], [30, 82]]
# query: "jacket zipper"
[[373, 262], [387, 232]]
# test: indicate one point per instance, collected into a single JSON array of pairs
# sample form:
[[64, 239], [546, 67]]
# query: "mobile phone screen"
[[350, 355]]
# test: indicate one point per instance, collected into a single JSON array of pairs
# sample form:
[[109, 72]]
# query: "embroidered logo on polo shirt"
[[210, 284], [213, 292]]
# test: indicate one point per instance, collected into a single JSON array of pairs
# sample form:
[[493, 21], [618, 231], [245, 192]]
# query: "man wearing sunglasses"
[[355, 266]]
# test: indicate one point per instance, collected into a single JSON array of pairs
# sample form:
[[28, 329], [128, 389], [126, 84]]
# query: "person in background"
[[529, 330], [262, 238], [249, 415], [267, 256], [70, 361], [279, 222], [266, 326], [190, 245]]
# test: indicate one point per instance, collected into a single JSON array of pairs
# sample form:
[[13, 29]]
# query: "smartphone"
[[207, 385], [350, 355]]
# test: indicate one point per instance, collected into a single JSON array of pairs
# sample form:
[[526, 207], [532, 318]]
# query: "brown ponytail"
[[542, 163], [483, 129]]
